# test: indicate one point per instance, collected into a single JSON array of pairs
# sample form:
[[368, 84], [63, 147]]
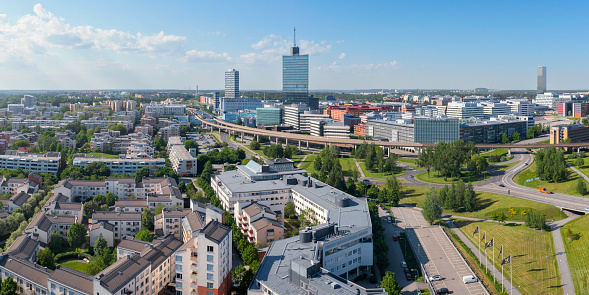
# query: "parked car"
[[469, 279], [408, 276], [435, 278], [442, 291], [395, 237], [403, 264]]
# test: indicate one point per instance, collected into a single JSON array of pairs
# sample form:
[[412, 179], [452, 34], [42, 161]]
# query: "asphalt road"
[[436, 252]]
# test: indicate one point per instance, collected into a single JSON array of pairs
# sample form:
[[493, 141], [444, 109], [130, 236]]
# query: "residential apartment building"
[[38, 163], [166, 109], [124, 223], [258, 223], [119, 166], [183, 161]]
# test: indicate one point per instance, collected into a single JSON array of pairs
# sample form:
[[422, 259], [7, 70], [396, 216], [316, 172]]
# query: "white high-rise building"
[[464, 110], [541, 79], [232, 83]]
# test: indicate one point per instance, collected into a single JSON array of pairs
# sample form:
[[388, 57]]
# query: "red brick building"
[[336, 112]]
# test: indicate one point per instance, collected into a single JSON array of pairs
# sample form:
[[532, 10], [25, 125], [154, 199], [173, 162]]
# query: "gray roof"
[[117, 275], [195, 221], [236, 183], [216, 231], [25, 268], [112, 215], [23, 247], [73, 279], [68, 206], [103, 224], [3, 214], [41, 221], [131, 203], [138, 246], [20, 199]]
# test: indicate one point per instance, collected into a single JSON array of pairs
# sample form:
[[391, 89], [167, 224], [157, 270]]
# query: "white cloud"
[[38, 34], [205, 56], [216, 33], [274, 46], [342, 56]]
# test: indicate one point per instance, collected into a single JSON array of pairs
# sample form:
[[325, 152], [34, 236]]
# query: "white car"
[[435, 278], [403, 264]]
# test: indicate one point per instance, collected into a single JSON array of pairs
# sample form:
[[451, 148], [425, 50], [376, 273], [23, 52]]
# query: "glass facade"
[[295, 78], [434, 130], [268, 116]]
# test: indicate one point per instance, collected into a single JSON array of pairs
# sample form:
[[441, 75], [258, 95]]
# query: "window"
[[178, 258], [210, 285], [209, 276], [209, 293], [179, 276], [179, 267], [209, 267], [210, 249], [210, 258], [178, 285]]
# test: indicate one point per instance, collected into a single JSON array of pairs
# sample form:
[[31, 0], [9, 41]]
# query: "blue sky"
[[352, 44]]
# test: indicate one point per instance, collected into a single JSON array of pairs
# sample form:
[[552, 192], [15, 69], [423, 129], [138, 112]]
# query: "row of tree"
[[329, 168], [447, 158], [374, 159], [551, 165]]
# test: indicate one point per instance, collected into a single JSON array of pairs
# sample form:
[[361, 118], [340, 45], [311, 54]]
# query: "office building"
[[520, 107], [307, 117], [292, 114], [493, 109], [216, 99], [491, 131], [434, 130], [166, 109], [541, 79], [16, 109], [268, 116], [464, 110], [231, 105], [28, 101], [329, 128], [295, 77], [336, 112], [574, 132], [232, 83], [396, 131], [573, 109]]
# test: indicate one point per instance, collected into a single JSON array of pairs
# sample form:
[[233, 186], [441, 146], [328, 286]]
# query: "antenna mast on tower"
[[295, 37]]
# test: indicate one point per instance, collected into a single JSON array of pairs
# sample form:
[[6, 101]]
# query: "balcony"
[[194, 284], [193, 291], [194, 266], [193, 275]]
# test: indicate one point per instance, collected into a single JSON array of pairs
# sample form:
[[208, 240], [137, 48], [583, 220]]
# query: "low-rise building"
[[125, 223], [258, 223], [102, 230]]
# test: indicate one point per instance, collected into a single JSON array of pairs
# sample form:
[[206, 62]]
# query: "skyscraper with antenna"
[[295, 75]]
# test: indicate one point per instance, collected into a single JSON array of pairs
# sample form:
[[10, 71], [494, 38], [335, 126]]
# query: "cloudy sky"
[[352, 44]]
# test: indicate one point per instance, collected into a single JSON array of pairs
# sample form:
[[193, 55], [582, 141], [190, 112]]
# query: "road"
[[436, 252]]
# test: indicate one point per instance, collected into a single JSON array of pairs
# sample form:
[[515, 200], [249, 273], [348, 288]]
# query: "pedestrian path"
[[302, 161], [359, 169], [561, 258]]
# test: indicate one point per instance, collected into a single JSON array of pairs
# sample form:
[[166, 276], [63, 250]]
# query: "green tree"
[[111, 199], [504, 138], [76, 235], [144, 235], [9, 287], [317, 163], [158, 210], [581, 186], [20, 143], [515, 136], [56, 243], [100, 245], [250, 254], [579, 162], [147, 219], [143, 172], [182, 186], [254, 145], [432, 209], [46, 258], [585, 121], [190, 144], [390, 284], [289, 210], [99, 200]]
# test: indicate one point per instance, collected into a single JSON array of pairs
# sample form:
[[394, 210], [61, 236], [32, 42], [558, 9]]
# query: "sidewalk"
[[563, 264], [496, 273], [359, 169]]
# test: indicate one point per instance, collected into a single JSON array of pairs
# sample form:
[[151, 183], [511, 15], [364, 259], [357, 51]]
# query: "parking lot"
[[436, 251]]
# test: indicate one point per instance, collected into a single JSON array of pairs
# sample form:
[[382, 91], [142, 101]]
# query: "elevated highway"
[[230, 127]]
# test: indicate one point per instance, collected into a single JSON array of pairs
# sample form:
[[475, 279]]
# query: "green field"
[[489, 204], [534, 263], [567, 187], [577, 250], [585, 168], [98, 155], [408, 160], [397, 172], [308, 164], [496, 152], [80, 266], [466, 177], [504, 167]]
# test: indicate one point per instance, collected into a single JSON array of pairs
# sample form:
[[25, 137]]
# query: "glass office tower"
[[295, 77]]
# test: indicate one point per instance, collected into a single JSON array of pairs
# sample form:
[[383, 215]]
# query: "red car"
[[408, 276], [395, 237]]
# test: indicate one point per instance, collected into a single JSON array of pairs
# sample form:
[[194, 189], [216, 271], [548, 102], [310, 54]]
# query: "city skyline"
[[113, 45]]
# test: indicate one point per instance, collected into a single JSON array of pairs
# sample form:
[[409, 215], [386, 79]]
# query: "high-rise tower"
[[541, 79], [295, 76], [232, 83]]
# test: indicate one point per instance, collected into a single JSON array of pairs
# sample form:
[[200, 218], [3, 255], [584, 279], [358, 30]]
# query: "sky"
[[54, 45]]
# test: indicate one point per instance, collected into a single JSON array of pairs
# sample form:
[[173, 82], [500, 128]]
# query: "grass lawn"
[[98, 155], [308, 164], [408, 160], [534, 263], [489, 203], [297, 159], [504, 167], [348, 166], [215, 137], [466, 177], [585, 168], [495, 152], [567, 187], [578, 253], [80, 266], [397, 172]]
